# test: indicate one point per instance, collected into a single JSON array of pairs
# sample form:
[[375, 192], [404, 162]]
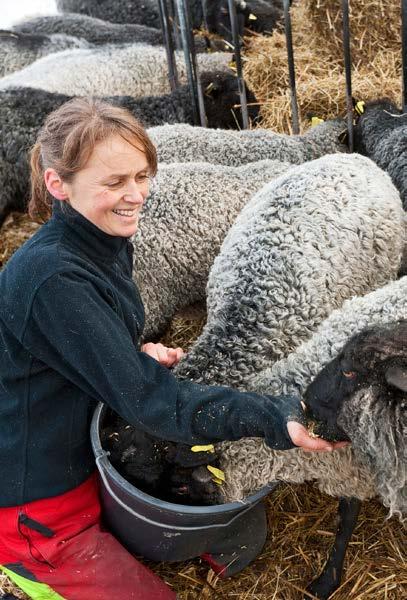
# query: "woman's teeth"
[[124, 213]]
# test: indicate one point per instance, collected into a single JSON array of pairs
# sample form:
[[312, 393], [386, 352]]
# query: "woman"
[[71, 321]]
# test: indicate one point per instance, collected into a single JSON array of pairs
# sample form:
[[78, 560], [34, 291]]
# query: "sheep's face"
[[375, 359]]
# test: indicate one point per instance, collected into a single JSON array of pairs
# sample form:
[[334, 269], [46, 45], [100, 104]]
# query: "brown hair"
[[67, 139]]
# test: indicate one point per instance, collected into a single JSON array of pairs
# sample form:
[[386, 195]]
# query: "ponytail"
[[39, 206]]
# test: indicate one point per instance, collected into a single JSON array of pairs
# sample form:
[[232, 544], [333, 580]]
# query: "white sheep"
[[131, 69]]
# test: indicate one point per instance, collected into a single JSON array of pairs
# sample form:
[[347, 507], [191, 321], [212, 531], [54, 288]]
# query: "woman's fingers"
[[301, 438]]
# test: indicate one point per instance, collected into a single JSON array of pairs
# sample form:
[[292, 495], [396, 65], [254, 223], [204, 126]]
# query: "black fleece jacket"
[[71, 318]]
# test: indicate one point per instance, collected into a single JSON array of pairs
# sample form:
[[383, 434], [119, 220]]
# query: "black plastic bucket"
[[232, 534]]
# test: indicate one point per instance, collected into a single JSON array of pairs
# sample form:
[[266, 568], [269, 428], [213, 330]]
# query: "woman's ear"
[[55, 185]]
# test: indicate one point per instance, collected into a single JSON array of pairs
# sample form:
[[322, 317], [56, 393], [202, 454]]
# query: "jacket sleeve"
[[75, 331]]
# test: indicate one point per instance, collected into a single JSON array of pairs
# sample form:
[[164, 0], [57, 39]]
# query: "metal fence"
[[177, 32]]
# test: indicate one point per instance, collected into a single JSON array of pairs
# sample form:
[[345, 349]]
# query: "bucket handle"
[[149, 521]]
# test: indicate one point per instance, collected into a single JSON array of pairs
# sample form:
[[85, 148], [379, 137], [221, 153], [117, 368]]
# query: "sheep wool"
[[132, 69], [249, 465], [184, 143], [17, 50], [183, 223], [317, 235], [91, 29]]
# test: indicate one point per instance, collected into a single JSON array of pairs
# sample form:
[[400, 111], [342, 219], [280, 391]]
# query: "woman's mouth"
[[125, 212]]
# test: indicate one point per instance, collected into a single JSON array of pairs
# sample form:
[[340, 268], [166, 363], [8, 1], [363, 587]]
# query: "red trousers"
[[60, 542]]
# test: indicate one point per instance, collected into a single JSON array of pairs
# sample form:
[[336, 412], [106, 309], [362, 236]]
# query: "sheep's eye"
[[349, 374]]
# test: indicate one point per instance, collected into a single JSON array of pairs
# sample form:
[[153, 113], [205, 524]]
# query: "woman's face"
[[111, 189]]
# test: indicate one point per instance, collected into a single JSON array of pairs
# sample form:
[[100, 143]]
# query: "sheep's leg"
[[330, 578]]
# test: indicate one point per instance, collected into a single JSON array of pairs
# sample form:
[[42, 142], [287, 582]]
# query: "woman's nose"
[[133, 194]]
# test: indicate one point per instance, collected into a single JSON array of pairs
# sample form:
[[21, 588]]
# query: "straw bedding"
[[320, 78]]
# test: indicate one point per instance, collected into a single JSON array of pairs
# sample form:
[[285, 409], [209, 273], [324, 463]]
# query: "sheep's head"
[[363, 392], [222, 100], [378, 116]]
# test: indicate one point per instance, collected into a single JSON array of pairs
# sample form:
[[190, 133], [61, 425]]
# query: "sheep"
[[380, 133], [132, 69], [129, 11], [18, 50], [183, 143], [366, 340], [97, 31], [217, 13], [318, 234], [253, 303], [166, 470], [261, 16], [23, 110], [183, 223]]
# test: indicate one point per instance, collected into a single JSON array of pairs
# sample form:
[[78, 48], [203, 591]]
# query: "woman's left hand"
[[168, 357]]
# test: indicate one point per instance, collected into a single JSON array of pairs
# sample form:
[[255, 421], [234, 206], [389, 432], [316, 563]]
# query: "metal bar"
[[404, 52], [187, 56], [197, 81], [238, 59], [169, 46], [291, 67], [175, 25], [348, 70]]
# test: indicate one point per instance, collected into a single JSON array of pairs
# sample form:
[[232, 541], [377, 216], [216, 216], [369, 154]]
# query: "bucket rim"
[[103, 462]]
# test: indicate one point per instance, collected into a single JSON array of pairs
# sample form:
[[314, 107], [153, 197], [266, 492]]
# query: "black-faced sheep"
[[23, 110], [17, 50], [160, 468], [381, 134], [183, 143], [259, 15], [128, 70], [97, 31]]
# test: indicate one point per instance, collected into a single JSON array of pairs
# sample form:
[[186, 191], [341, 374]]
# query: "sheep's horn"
[[397, 376]]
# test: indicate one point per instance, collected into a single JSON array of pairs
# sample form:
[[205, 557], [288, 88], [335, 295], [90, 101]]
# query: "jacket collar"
[[85, 235]]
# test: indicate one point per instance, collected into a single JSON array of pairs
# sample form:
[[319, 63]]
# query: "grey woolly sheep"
[[23, 110], [17, 50], [319, 234], [96, 31], [183, 143], [132, 69], [362, 351], [384, 474], [186, 217]]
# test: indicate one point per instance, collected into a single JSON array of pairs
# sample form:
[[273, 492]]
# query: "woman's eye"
[[349, 374], [142, 178], [113, 184]]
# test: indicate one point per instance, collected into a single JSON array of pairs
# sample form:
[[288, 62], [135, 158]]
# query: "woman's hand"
[[300, 437], [168, 357]]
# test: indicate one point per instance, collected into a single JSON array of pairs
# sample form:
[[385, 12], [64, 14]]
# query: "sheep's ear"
[[397, 376]]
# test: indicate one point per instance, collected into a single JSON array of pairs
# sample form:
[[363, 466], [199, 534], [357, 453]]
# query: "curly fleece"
[[344, 472], [132, 69], [319, 234], [184, 143], [185, 219]]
